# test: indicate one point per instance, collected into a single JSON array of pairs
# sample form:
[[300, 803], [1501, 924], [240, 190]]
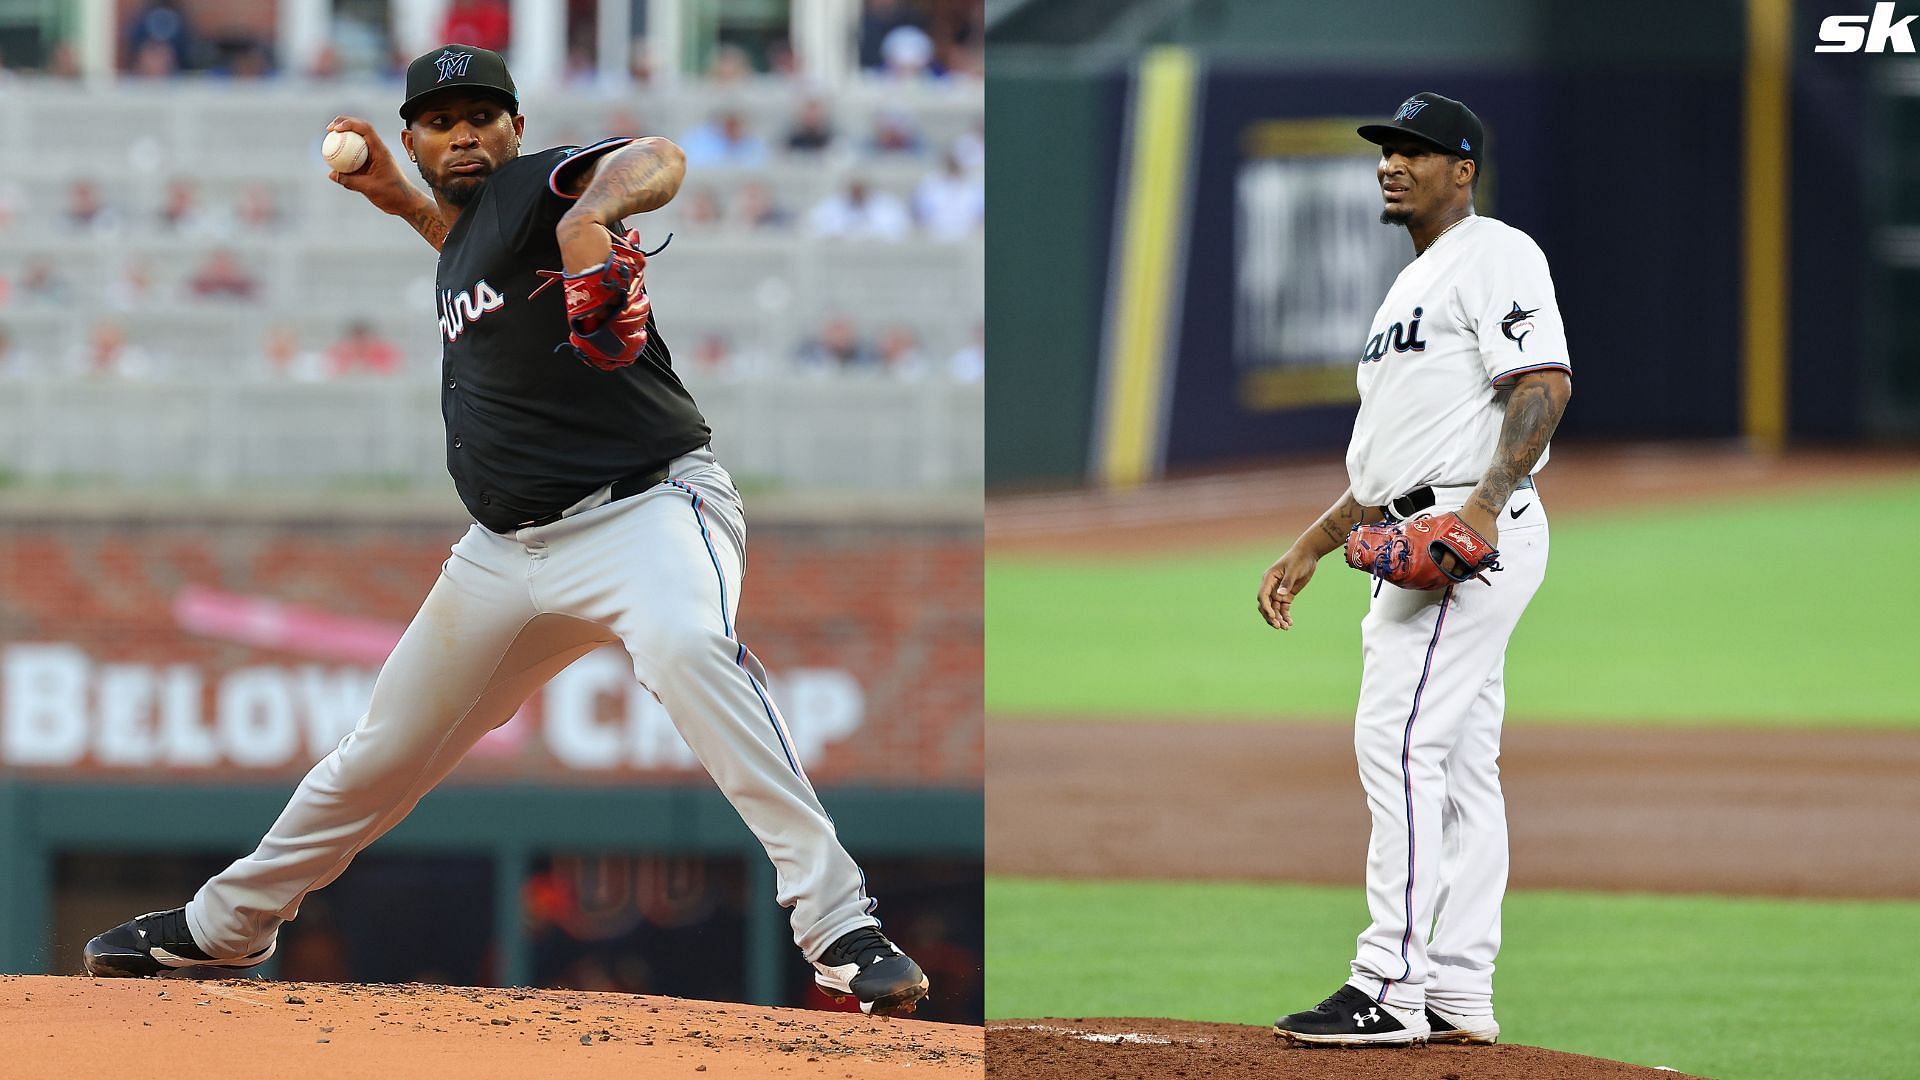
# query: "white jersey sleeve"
[[1511, 309]]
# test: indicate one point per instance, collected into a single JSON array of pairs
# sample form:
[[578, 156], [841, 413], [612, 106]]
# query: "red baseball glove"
[[1426, 553], [607, 305]]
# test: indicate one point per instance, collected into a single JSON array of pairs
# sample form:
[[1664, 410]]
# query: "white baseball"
[[345, 151]]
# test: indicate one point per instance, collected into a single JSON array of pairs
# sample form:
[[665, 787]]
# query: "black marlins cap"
[[457, 67], [1426, 115]]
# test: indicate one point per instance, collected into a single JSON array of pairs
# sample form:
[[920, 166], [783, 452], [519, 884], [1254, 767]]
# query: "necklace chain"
[[1443, 232]]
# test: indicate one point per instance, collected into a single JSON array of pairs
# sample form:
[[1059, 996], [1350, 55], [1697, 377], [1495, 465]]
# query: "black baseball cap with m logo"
[[457, 67], [1436, 119]]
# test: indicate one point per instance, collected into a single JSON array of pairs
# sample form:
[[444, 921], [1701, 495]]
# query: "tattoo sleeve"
[[1331, 530], [1533, 410], [638, 177], [425, 219]]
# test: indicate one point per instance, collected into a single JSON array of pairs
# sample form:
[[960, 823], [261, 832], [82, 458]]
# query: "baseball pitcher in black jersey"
[[601, 516]]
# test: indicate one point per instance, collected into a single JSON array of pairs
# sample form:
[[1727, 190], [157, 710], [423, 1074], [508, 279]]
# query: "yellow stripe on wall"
[[1150, 248], [1764, 295]]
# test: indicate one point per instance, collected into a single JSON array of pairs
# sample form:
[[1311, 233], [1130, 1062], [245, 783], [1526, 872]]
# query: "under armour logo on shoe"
[[1365, 1018]]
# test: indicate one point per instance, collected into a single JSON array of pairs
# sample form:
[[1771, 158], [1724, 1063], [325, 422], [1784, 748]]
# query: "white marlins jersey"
[[1472, 311]]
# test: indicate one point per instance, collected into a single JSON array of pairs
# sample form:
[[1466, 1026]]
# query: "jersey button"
[[456, 442], [486, 499], [449, 384]]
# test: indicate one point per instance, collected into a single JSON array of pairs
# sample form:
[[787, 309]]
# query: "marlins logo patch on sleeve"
[[1518, 324]]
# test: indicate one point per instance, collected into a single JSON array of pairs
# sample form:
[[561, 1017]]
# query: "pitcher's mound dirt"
[[261, 1030], [1135, 1049]]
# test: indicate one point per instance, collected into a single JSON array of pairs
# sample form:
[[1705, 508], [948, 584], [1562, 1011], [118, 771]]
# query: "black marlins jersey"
[[531, 431]]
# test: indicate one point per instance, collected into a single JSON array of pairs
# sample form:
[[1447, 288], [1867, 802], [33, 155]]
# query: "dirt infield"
[[260, 1030], [1134, 1049], [1274, 504], [1588, 808]]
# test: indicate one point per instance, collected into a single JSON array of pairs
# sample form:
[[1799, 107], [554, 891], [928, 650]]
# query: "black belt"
[[623, 487], [1421, 498]]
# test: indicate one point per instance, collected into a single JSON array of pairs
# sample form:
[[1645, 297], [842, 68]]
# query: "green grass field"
[[1800, 610], [1735, 989]]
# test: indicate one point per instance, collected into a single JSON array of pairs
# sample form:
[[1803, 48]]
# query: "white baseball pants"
[[660, 572], [1427, 735]]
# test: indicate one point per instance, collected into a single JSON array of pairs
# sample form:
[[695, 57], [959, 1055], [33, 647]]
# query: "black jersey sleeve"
[[539, 195]]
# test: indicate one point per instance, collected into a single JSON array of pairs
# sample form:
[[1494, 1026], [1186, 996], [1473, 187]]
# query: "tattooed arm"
[[424, 216], [1290, 573], [640, 176], [1534, 406]]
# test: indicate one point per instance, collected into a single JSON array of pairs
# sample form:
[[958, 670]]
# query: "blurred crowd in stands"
[[917, 39], [361, 351], [929, 40]]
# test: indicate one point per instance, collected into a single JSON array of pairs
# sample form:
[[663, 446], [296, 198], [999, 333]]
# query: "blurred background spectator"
[[362, 351], [160, 40], [724, 140], [730, 65], [950, 204], [88, 212], [286, 359], [63, 62], [703, 207], [899, 350], [133, 284], [486, 23], [970, 147], [43, 283], [222, 277], [184, 213], [877, 22], [259, 209], [907, 52], [858, 212], [812, 128], [893, 133], [838, 347], [755, 207], [107, 354]]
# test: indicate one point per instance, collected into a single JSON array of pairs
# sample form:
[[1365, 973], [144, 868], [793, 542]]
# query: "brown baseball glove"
[[1429, 552]]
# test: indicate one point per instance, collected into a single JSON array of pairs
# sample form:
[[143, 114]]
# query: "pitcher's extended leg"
[[663, 569], [474, 652]]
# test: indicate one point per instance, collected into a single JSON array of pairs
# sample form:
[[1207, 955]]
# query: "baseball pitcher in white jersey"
[[1463, 376]]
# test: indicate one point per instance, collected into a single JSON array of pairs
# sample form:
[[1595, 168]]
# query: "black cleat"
[[863, 964], [1477, 1030], [155, 942], [1352, 1018]]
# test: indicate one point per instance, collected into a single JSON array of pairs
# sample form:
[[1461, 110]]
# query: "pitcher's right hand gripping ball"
[[607, 305], [1425, 553]]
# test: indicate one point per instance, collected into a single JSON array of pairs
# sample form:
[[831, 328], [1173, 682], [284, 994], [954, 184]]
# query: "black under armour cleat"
[[1352, 1018], [864, 965], [155, 942], [1474, 1030]]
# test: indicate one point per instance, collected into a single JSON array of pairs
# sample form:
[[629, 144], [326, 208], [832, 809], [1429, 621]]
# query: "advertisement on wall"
[[117, 656]]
